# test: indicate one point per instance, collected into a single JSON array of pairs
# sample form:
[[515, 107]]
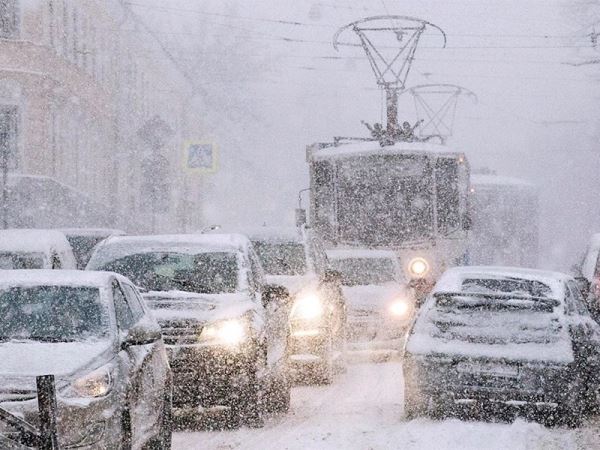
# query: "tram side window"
[[448, 195], [324, 197]]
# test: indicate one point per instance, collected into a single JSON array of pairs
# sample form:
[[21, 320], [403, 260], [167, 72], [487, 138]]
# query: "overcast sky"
[[270, 88]]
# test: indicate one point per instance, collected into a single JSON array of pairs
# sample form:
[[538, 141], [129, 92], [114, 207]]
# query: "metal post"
[[47, 407], [391, 97], [4, 162]]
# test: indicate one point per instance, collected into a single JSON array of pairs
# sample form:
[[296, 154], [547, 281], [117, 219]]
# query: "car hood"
[[28, 358], [202, 308], [293, 283], [371, 297]]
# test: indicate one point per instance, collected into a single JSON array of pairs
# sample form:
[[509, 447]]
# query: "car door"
[[276, 319], [586, 334], [144, 406]]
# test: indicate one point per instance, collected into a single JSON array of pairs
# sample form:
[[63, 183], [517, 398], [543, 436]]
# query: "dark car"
[[516, 338], [93, 332], [226, 330], [84, 240], [295, 258]]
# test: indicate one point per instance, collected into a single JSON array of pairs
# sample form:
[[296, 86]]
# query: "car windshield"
[[497, 311], [52, 313], [206, 273], [287, 258], [18, 260], [364, 271]]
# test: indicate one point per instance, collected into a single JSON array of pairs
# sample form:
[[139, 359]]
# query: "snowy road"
[[363, 410]]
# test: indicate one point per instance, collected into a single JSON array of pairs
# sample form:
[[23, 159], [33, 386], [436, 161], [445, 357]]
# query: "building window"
[[9, 115], [9, 19]]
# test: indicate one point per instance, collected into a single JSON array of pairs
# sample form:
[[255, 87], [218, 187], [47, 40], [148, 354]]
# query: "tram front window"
[[384, 199]]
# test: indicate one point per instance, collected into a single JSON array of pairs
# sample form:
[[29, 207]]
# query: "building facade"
[[90, 98]]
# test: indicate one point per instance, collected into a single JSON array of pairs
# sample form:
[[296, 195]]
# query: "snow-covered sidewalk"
[[363, 410]]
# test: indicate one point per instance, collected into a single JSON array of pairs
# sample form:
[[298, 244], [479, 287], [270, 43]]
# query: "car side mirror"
[[141, 335], [332, 276], [274, 293], [584, 285]]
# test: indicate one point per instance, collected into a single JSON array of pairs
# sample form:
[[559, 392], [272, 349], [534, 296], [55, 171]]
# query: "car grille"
[[181, 332]]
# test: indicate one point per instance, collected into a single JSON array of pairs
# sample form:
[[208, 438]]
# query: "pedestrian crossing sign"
[[201, 157]]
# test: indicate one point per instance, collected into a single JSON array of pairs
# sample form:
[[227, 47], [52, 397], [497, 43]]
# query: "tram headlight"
[[418, 267]]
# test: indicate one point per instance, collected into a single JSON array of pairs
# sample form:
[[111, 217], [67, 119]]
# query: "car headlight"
[[230, 332], [418, 267], [307, 306], [400, 308], [94, 384]]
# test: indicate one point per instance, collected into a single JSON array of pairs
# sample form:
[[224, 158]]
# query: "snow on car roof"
[[373, 147], [32, 240], [499, 180], [273, 234], [361, 253], [452, 280], [119, 246], [56, 277]]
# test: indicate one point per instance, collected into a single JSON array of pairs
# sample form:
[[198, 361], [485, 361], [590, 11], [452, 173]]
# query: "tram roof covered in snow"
[[344, 150]]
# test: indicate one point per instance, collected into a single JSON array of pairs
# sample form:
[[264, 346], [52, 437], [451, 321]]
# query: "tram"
[[505, 215]]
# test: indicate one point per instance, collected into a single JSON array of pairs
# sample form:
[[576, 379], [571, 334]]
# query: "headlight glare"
[[95, 384], [228, 332], [400, 308], [308, 306], [418, 267]]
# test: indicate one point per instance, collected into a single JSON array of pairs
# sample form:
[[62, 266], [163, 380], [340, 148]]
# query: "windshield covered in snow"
[[17, 260], [288, 258], [52, 313], [497, 311], [364, 271], [206, 273], [382, 199]]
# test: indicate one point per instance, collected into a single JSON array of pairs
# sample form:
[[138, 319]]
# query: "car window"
[[134, 302], [256, 272], [578, 303], [125, 316]]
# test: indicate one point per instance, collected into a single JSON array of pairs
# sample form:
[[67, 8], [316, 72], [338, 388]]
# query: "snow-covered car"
[[587, 275], [92, 331], [84, 240], [295, 258], [380, 303], [35, 249], [507, 337], [225, 328]]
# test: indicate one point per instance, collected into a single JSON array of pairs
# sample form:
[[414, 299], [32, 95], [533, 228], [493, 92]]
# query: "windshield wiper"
[[50, 339]]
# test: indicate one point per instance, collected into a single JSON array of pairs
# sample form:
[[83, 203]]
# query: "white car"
[[92, 331], [35, 249], [295, 258], [380, 304]]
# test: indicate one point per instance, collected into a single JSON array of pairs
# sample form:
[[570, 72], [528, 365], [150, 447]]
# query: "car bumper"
[[81, 423], [208, 376], [308, 344], [482, 381], [376, 334]]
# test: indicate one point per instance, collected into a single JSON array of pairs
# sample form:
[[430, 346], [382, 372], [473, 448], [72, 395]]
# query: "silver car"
[[91, 331]]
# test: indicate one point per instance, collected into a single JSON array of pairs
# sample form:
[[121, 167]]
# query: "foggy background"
[[270, 83]]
